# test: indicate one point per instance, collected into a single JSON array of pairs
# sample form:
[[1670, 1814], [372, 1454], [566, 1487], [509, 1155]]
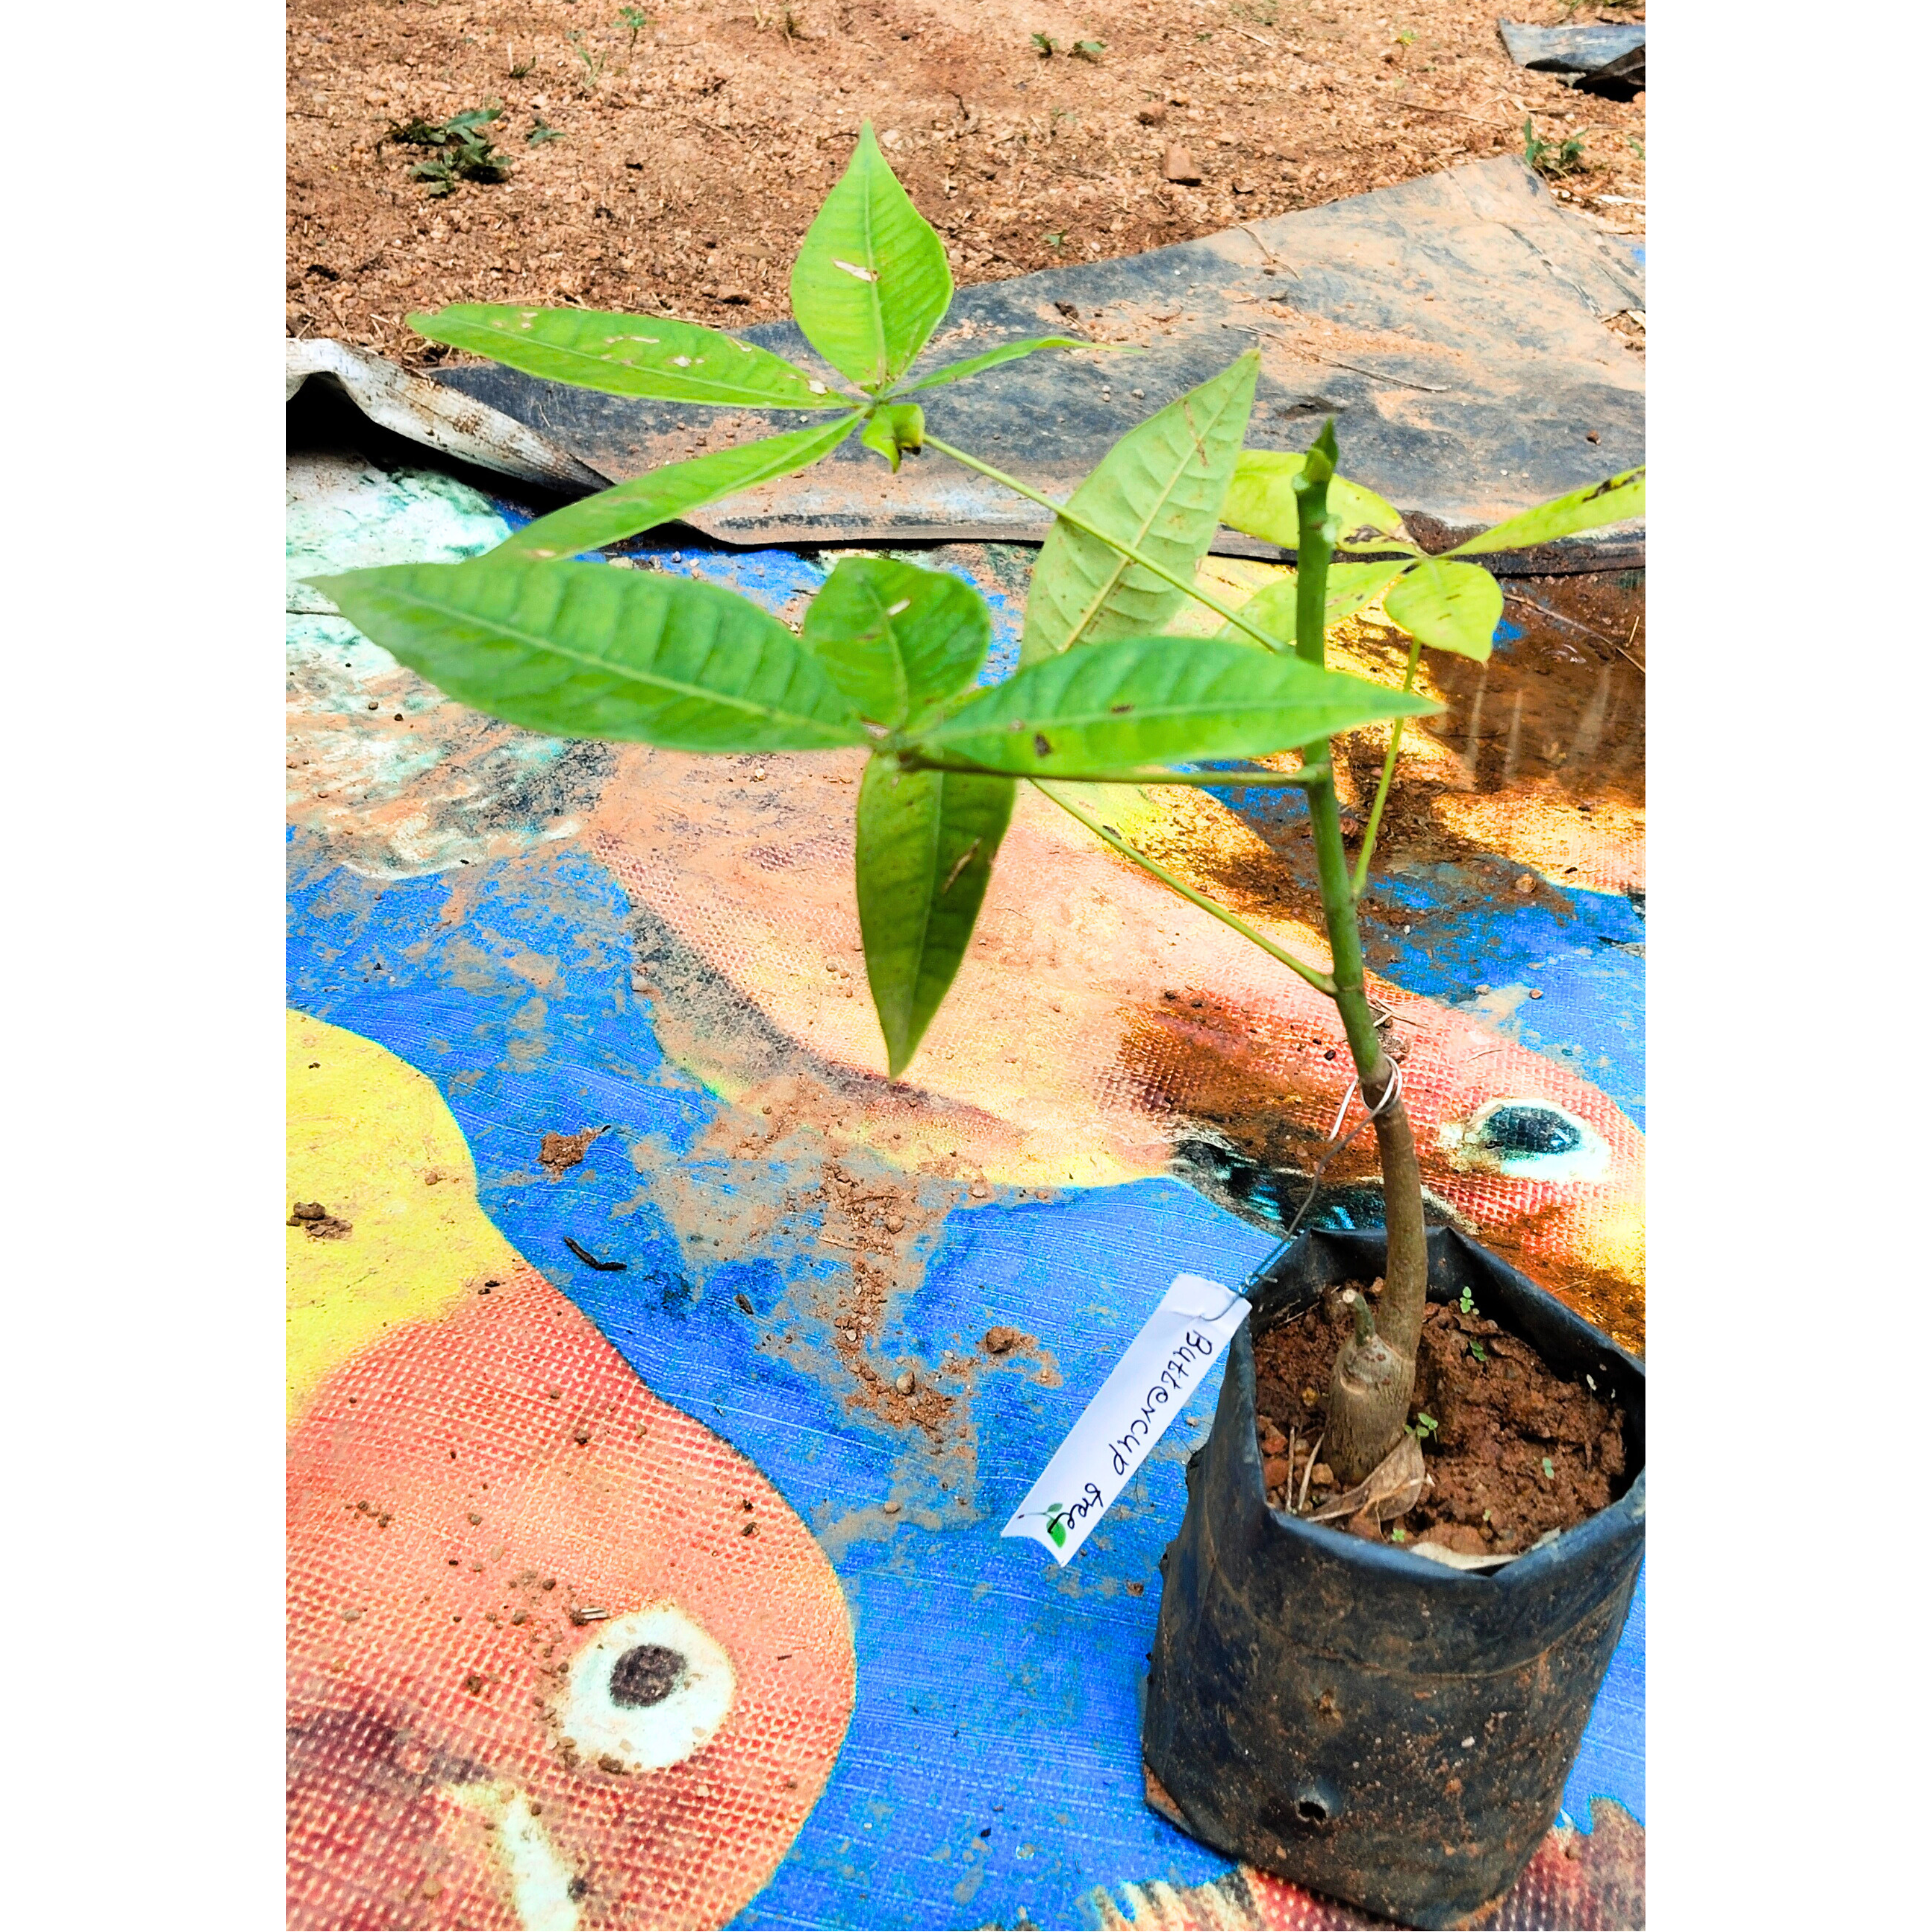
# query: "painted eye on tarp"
[[652, 1688], [1528, 1140]]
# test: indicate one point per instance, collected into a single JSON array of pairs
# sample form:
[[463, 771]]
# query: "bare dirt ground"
[[667, 157]]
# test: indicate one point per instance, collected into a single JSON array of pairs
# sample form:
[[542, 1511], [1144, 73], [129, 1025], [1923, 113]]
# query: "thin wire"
[[1390, 1093], [1342, 1112]]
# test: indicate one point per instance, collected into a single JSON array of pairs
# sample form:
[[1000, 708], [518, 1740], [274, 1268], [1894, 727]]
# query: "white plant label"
[[1151, 1384]]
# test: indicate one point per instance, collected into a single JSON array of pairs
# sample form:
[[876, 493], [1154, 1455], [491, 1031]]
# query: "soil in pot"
[[1512, 1450]]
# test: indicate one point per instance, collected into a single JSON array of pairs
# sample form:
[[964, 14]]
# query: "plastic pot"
[[1356, 1718]]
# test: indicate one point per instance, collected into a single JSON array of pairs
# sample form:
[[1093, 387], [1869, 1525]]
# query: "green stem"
[[1300, 780], [1324, 815], [1388, 772], [1319, 980], [1373, 1378], [1113, 543]]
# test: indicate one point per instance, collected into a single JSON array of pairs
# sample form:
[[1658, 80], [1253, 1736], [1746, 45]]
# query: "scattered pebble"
[[906, 1383], [1003, 1341], [892, 1507]]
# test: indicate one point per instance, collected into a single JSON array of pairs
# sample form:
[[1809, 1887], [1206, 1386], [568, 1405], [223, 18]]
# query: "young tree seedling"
[[889, 658]]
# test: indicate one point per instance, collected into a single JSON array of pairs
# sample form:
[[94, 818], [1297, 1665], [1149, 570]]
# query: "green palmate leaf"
[[893, 430], [1148, 701], [1350, 586], [1615, 500], [629, 356], [1449, 607], [871, 280], [898, 640], [1012, 352], [1159, 488], [659, 495], [580, 650], [925, 846], [1260, 501]]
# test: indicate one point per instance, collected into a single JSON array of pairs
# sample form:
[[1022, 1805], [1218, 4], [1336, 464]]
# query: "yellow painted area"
[[371, 1138]]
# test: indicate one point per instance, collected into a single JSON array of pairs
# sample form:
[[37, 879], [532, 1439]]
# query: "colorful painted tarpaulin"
[[636, 1318]]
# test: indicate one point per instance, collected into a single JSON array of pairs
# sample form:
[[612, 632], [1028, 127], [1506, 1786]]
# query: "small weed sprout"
[[1089, 50], [593, 60], [1044, 44], [543, 131], [1551, 159], [462, 151], [634, 18]]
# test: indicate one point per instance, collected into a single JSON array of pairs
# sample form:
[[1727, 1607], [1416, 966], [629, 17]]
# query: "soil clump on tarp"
[[1514, 1450], [670, 156]]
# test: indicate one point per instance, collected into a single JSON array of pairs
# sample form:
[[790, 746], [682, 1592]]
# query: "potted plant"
[[1385, 1716]]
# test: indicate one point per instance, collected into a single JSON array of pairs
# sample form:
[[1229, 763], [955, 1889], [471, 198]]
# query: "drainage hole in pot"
[[1313, 1808]]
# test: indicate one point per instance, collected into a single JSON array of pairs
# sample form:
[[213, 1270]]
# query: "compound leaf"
[[629, 356], [871, 280], [897, 640], [1615, 500], [580, 650], [1141, 702], [1011, 351], [925, 846], [1350, 586], [1449, 607], [659, 495], [1159, 488], [1260, 501]]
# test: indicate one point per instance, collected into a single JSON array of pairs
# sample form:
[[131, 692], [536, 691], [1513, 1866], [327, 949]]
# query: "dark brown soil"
[[1515, 1450]]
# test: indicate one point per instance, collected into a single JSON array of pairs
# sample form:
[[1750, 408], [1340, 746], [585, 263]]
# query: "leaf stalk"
[[1315, 977]]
